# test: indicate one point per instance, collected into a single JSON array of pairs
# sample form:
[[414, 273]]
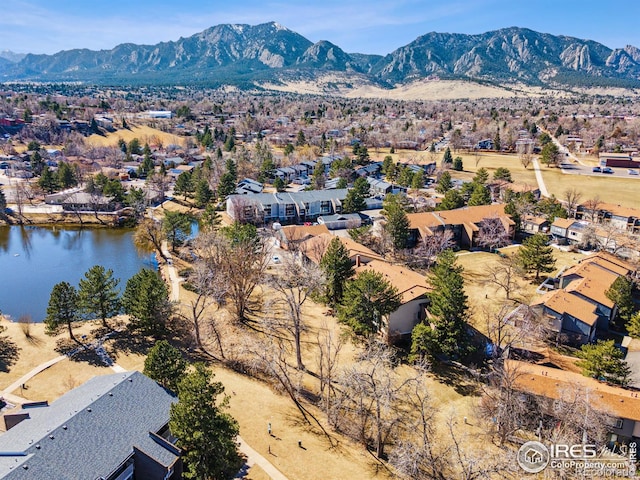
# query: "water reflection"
[[33, 259]]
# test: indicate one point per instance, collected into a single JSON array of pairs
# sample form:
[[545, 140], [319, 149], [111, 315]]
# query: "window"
[[619, 423], [289, 210], [267, 210], [325, 206]]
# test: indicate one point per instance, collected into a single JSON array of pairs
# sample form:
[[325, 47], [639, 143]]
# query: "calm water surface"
[[34, 259]]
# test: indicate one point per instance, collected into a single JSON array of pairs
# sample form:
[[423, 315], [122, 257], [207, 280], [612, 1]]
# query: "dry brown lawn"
[[144, 133], [58, 379], [482, 296], [36, 350], [254, 404], [615, 190]]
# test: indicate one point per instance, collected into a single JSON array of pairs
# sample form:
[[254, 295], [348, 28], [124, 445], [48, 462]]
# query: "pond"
[[34, 259]]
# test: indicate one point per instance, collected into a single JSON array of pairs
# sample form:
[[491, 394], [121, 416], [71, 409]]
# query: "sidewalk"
[[254, 458], [543, 188]]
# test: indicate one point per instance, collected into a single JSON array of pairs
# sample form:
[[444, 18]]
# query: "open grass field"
[[143, 133], [619, 191], [491, 162]]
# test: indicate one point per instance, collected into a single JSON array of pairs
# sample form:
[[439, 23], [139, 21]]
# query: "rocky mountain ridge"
[[248, 55]]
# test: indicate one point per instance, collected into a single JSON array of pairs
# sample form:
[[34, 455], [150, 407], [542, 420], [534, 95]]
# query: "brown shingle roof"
[[315, 247], [563, 222], [564, 302], [297, 233], [617, 210], [533, 220], [593, 284], [410, 284], [459, 216], [553, 383]]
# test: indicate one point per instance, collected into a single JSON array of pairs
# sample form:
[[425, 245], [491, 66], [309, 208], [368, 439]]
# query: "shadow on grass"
[[9, 353], [65, 346], [455, 377], [128, 343]]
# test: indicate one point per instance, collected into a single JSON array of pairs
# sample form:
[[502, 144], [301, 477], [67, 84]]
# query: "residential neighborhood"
[[262, 284]]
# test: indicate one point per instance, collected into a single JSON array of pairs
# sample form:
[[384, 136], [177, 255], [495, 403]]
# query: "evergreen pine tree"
[[337, 269], [535, 256], [480, 196], [447, 159], [448, 308]]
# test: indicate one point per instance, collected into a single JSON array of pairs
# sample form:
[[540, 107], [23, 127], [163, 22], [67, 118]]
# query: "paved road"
[[571, 169], [562, 149]]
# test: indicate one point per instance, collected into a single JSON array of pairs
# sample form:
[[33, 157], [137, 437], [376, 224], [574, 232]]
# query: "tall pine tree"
[[448, 308], [337, 269], [536, 256]]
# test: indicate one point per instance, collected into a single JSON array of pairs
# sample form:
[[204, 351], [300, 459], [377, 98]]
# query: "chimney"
[[357, 261]]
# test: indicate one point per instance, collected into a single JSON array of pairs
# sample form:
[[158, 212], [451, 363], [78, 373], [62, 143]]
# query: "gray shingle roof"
[[94, 429]]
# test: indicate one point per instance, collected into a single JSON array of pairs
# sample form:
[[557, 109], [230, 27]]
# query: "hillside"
[[246, 56]]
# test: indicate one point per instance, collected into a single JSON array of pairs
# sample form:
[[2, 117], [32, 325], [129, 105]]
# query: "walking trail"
[[543, 188], [174, 279], [253, 457]]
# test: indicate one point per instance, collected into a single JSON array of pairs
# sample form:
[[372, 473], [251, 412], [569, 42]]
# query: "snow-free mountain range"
[[247, 55]]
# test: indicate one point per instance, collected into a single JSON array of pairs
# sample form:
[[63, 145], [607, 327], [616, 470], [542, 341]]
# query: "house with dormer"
[[113, 427], [580, 307], [464, 223]]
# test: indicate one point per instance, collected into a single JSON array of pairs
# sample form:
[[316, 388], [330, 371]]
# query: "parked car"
[[607, 170], [276, 259], [596, 170], [631, 171]]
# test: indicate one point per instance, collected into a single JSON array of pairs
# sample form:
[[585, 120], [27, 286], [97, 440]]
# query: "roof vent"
[[89, 409], [37, 446], [110, 394], [64, 427], [26, 467], [51, 437]]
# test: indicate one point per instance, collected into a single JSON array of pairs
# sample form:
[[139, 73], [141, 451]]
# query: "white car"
[[275, 259], [631, 171]]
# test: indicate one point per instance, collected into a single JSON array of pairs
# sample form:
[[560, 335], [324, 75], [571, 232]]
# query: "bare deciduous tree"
[[493, 233], [593, 205], [209, 289], [295, 281], [370, 394], [329, 346], [424, 255], [149, 236], [241, 264], [525, 153], [572, 198], [503, 275], [504, 406]]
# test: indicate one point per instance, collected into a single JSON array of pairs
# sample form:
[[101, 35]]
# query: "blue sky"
[[363, 26]]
